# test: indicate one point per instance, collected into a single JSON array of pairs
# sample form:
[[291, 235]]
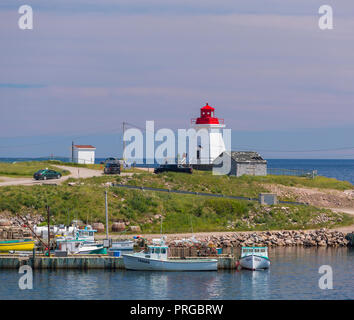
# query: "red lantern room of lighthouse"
[[207, 116], [213, 125]]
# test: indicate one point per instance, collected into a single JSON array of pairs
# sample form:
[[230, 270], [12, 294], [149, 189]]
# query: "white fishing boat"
[[155, 258], [75, 246], [87, 234], [123, 245], [119, 247], [254, 258]]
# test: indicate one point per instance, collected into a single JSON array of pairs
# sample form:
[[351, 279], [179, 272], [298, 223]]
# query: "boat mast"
[[48, 217], [106, 215], [190, 216]]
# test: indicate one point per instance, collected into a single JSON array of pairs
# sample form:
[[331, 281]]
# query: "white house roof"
[[84, 147]]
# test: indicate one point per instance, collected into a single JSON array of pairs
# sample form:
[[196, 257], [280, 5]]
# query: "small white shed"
[[84, 154]]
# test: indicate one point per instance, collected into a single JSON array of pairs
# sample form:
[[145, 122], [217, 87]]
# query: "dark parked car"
[[112, 168], [46, 174], [174, 168], [109, 160]]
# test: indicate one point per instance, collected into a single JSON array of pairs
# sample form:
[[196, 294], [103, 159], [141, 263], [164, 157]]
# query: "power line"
[[145, 130], [299, 151]]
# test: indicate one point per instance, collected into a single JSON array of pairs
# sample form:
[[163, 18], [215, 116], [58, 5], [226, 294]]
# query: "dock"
[[84, 262]]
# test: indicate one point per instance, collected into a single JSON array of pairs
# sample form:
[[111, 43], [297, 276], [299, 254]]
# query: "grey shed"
[[242, 163]]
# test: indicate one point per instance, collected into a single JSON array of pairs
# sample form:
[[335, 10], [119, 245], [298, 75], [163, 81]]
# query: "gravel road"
[[75, 172]]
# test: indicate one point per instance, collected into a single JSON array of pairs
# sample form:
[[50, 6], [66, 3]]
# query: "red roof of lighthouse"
[[207, 116], [207, 107]]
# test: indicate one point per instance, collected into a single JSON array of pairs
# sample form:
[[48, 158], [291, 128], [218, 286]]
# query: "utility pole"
[[123, 140], [48, 221], [106, 215], [72, 151]]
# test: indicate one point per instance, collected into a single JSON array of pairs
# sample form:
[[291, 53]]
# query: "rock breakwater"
[[311, 238]]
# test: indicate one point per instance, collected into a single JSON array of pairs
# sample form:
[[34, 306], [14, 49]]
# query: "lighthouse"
[[213, 125]]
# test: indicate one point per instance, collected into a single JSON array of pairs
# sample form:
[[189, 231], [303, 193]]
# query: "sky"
[[283, 86]]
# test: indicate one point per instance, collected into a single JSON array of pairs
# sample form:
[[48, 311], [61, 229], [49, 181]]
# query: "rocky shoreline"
[[313, 238], [10, 228]]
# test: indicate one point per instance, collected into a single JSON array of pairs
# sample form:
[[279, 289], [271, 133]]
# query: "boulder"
[[134, 229], [118, 226], [98, 226], [5, 223]]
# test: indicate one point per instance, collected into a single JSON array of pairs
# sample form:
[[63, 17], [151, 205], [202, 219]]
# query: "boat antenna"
[[190, 216]]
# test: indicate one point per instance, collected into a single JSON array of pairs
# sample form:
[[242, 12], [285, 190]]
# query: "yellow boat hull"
[[17, 246]]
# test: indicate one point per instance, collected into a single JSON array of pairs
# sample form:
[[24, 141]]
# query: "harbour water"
[[294, 274]]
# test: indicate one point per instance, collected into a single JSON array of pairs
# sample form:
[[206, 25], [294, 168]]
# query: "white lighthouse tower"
[[213, 125]]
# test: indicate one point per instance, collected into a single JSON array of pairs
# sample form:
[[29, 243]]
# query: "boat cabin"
[[87, 234], [256, 251], [156, 252], [70, 246]]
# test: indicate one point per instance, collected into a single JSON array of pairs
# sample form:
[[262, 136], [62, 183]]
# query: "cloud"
[[20, 85]]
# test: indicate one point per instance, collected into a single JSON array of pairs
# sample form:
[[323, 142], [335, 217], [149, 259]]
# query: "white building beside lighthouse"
[[215, 142], [83, 154]]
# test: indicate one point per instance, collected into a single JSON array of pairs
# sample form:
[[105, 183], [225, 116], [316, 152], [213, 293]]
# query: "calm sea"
[[339, 169], [294, 274]]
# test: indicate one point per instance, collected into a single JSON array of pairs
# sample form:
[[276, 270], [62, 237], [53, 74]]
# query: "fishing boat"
[[92, 249], [79, 246], [119, 247], [123, 245], [17, 245], [87, 234], [254, 258], [155, 258]]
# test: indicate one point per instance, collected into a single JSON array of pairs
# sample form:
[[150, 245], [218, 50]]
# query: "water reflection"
[[255, 283], [293, 274]]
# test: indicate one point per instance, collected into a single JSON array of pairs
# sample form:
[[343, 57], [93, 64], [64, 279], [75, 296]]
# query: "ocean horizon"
[[340, 169]]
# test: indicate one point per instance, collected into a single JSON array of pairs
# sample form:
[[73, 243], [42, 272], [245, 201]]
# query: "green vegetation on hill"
[[292, 181], [78, 165], [199, 181], [85, 200], [26, 169], [246, 186]]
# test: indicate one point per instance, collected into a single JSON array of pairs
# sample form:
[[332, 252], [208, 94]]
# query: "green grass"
[[318, 182], [199, 181], [85, 201], [89, 166], [180, 212], [78, 165], [246, 186], [26, 169]]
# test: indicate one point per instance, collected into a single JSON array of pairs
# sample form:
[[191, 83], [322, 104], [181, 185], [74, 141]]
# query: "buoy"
[[237, 265]]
